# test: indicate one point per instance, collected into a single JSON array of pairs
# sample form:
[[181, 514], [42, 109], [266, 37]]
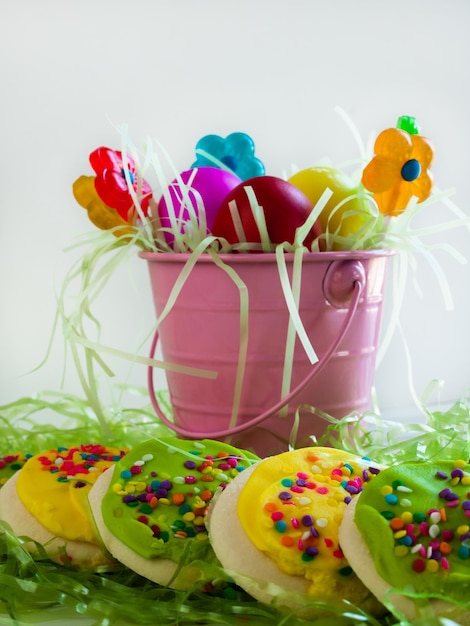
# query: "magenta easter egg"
[[204, 188], [285, 209]]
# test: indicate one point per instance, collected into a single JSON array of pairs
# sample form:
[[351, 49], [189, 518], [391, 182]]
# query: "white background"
[[179, 69]]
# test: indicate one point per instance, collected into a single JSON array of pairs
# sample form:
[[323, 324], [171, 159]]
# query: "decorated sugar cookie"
[[10, 464], [151, 509], [47, 501], [276, 527], [410, 532]]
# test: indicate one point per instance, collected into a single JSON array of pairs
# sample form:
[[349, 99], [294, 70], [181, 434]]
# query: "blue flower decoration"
[[236, 153]]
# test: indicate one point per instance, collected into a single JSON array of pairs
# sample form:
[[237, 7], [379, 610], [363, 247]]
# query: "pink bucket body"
[[202, 330]]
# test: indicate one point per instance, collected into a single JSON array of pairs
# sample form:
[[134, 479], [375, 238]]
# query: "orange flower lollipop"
[[400, 168]]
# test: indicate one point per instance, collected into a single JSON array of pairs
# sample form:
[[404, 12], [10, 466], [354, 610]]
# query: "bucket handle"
[[343, 283]]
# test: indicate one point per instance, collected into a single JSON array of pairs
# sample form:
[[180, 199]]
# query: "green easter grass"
[[33, 590]]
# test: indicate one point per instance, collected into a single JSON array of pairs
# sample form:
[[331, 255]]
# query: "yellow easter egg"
[[347, 209]]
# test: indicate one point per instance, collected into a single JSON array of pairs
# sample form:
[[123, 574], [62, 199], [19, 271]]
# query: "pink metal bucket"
[[340, 307]]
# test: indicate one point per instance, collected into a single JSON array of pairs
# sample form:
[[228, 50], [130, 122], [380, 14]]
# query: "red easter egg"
[[285, 209]]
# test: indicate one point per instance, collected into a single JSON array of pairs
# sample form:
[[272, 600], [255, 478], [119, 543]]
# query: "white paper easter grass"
[[376, 232], [195, 241], [93, 276], [292, 297], [197, 226], [104, 254], [243, 343]]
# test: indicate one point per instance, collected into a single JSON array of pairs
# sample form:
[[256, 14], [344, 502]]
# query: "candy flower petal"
[[236, 151], [399, 170], [381, 174], [99, 214], [111, 184], [393, 144]]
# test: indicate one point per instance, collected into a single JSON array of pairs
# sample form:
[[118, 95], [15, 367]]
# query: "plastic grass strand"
[[159, 242], [103, 244], [303, 231], [92, 273], [36, 423], [291, 331], [189, 265], [431, 230], [259, 217], [442, 434], [432, 388], [441, 279], [363, 152], [90, 391], [186, 239], [143, 360], [243, 343], [237, 222], [72, 323], [192, 220], [399, 271], [451, 251], [409, 366], [373, 222], [444, 197], [399, 234], [179, 244], [214, 160], [290, 302], [93, 392], [128, 148], [292, 443]]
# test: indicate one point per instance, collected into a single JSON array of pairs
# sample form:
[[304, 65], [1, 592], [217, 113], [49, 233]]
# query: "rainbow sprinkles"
[[414, 521]]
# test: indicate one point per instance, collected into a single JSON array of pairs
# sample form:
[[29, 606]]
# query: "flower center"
[[131, 175], [411, 170]]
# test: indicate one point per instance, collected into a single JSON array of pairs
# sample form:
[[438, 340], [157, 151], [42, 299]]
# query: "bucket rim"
[[268, 257]]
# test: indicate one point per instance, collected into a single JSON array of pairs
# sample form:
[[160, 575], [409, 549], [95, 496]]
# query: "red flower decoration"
[[111, 184]]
